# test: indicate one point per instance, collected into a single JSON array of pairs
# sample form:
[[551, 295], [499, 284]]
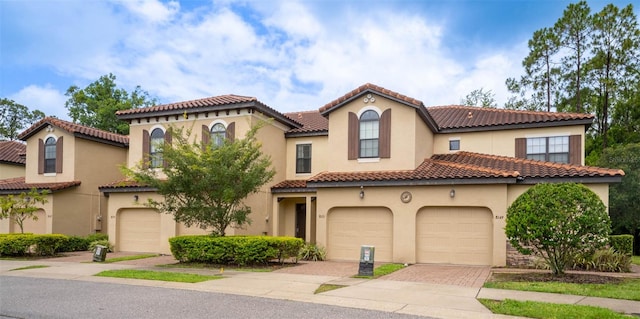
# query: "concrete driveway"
[[457, 275]]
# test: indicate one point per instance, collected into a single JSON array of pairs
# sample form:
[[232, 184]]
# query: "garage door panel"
[[350, 228], [139, 230], [456, 235]]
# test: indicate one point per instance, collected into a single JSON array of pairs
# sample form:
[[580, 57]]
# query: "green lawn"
[[125, 258], [383, 270], [157, 275], [628, 289], [635, 260], [543, 310], [30, 267], [327, 287]]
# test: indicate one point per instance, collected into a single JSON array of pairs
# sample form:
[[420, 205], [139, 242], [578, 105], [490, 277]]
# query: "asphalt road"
[[22, 297]]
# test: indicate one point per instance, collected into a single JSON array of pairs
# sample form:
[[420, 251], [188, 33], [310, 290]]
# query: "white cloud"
[[151, 10], [46, 99]]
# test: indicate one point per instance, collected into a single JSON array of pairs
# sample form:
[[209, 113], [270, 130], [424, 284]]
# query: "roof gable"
[[313, 124], [77, 130]]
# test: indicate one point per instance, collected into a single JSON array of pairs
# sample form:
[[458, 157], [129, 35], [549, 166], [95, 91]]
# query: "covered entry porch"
[[294, 215]]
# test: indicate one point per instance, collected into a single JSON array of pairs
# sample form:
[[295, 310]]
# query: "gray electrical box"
[[100, 253], [367, 254]]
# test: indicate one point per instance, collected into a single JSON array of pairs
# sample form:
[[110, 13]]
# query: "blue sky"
[[291, 55]]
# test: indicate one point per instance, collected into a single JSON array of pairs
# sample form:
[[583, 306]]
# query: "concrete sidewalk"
[[416, 298]]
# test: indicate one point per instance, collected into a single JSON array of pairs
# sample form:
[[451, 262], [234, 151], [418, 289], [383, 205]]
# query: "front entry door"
[[301, 221]]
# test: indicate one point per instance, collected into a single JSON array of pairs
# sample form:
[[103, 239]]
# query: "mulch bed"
[[548, 277]]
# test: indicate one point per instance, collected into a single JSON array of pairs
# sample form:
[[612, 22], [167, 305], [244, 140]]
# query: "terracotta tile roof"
[[468, 166], [208, 104], [312, 122], [12, 152], [228, 99], [368, 87], [76, 129], [18, 185], [125, 183], [454, 117], [291, 183], [525, 167]]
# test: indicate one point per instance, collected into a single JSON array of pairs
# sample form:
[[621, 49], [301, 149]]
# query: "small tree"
[[557, 221], [22, 207], [205, 185]]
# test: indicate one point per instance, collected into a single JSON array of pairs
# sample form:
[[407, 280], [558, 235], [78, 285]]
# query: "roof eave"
[[126, 189], [293, 190], [574, 179], [501, 127], [417, 182], [306, 134]]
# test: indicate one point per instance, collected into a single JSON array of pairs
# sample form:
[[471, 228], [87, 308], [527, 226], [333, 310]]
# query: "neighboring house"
[[12, 162], [373, 167], [70, 161]]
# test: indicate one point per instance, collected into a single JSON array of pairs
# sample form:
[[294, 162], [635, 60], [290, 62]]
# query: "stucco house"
[[12, 159], [70, 161], [373, 167]]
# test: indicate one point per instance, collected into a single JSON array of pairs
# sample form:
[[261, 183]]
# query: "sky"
[[290, 55]]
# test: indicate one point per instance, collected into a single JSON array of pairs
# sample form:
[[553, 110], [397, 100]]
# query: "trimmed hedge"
[[44, 244], [238, 250], [622, 244]]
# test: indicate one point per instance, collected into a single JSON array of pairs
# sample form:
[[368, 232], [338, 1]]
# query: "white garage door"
[[455, 235], [350, 228], [139, 230]]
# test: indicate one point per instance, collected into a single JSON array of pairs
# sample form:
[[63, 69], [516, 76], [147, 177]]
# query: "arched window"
[[218, 135], [50, 155], [155, 148], [369, 134]]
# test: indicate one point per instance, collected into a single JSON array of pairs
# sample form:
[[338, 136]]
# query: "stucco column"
[[308, 219], [275, 219]]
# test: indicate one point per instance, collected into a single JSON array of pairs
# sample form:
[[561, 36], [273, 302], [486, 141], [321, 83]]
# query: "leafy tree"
[[573, 30], [205, 185], [616, 55], [15, 118], [480, 98], [22, 207], [97, 104], [556, 222], [623, 207]]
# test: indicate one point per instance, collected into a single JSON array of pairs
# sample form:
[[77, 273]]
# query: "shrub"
[[605, 260], [103, 242], [74, 243], [97, 236], [556, 222], [16, 244], [48, 245], [239, 250], [622, 244], [312, 252]]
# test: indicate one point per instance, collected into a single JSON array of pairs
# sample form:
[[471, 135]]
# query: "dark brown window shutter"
[[575, 149], [40, 156], [353, 136], [145, 149], [168, 138], [521, 147], [206, 137], [385, 134], [231, 131], [59, 155]]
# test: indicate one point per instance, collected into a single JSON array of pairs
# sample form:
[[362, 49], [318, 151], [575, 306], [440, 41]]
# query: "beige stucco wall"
[[320, 155], [44, 224], [68, 154], [404, 138], [500, 142], [11, 171], [493, 197]]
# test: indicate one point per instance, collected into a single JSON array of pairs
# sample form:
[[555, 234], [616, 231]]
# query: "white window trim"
[[155, 127], [295, 151], [369, 108], [459, 144], [218, 121], [46, 137], [369, 160]]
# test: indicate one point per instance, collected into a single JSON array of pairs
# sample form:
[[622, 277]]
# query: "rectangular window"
[[550, 149], [454, 145], [303, 158], [369, 132]]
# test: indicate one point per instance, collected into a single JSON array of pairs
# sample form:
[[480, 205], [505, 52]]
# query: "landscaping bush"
[[239, 250], [16, 244], [312, 252], [74, 243], [622, 244], [103, 242], [97, 236], [48, 245], [605, 260]]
